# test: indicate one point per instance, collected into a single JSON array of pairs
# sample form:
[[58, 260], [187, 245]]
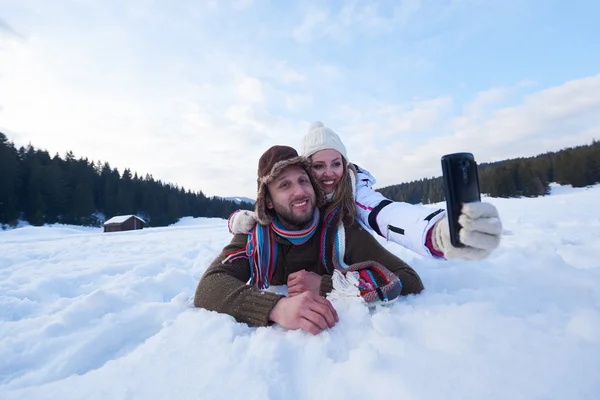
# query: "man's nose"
[[299, 190]]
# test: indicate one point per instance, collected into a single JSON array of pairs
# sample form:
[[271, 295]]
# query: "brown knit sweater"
[[223, 287]]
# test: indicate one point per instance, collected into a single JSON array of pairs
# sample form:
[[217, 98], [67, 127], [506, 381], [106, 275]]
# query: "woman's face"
[[328, 167]]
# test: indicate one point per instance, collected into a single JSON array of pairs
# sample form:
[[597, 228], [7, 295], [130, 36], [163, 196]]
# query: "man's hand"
[[303, 281], [306, 311]]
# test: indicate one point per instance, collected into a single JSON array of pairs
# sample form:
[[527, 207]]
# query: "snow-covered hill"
[[87, 315], [240, 199]]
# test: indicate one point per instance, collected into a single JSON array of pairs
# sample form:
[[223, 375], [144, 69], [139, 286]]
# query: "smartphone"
[[461, 185]]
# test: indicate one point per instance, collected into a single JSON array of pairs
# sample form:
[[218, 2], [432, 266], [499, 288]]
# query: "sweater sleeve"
[[362, 246], [223, 288]]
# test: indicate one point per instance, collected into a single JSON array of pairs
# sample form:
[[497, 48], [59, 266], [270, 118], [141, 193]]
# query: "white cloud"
[[292, 76], [7, 32], [551, 119], [251, 90], [313, 21], [201, 137], [486, 100], [298, 101], [338, 24], [419, 116], [366, 131], [415, 18], [245, 115]]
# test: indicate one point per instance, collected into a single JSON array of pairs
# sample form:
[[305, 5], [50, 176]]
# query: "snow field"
[[90, 315]]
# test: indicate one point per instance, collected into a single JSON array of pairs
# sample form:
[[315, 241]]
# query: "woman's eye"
[[317, 166], [337, 164]]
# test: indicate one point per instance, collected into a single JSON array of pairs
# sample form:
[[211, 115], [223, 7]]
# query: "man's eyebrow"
[[286, 176], [282, 177]]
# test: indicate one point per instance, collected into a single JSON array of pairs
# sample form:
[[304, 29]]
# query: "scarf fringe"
[[345, 285]]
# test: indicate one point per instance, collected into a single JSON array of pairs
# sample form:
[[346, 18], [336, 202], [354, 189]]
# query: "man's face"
[[292, 196]]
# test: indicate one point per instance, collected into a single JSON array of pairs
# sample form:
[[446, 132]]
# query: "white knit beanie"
[[321, 138]]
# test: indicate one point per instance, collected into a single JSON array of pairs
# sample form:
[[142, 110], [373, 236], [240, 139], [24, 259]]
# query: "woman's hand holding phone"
[[480, 233]]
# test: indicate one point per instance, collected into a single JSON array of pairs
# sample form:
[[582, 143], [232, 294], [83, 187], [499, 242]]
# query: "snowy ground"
[[87, 315]]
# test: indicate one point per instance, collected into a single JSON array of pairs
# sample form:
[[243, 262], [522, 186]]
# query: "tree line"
[[41, 189], [530, 177]]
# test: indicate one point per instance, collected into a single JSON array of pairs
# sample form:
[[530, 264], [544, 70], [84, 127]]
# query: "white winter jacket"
[[403, 223]]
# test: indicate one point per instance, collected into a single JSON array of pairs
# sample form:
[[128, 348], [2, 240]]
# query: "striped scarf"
[[333, 241], [261, 248]]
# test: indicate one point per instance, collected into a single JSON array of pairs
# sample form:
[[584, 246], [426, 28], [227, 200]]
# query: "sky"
[[193, 92], [522, 324]]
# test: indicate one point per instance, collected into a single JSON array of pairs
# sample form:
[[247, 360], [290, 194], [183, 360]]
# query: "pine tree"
[[9, 175], [36, 216], [83, 205], [53, 190]]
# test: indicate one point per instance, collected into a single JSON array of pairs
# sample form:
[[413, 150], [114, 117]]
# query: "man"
[[292, 244]]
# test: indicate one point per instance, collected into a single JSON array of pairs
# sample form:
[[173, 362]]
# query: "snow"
[[239, 199], [90, 315], [118, 219]]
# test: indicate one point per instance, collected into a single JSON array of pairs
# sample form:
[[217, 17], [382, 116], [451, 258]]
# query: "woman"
[[349, 193]]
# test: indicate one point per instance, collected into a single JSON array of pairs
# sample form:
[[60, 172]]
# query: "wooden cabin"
[[121, 223]]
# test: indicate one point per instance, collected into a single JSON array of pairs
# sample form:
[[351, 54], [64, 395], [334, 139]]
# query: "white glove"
[[480, 233], [242, 222]]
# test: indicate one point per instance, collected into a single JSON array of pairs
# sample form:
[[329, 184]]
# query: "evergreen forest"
[[41, 189], [530, 177]]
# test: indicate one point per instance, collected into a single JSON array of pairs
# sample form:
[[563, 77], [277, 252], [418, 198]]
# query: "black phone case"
[[461, 185]]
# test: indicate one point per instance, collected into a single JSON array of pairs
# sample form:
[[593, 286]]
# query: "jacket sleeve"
[[223, 288], [362, 246], [402, 223]]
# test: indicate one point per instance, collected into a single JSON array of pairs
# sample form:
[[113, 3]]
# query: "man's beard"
[[286, 216]]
